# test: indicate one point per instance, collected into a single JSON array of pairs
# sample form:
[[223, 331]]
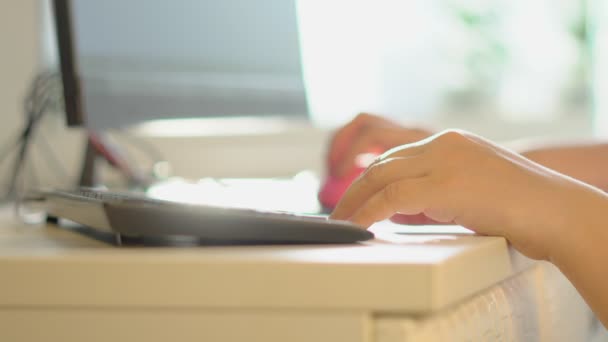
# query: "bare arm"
[[455, 176], [583, 254], [581, 251], [587, 162]]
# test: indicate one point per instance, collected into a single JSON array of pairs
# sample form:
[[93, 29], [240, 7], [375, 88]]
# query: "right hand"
[[459, 177], [367, 133]]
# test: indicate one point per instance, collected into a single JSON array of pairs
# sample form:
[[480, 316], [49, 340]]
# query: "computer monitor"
[[68, 62], [127, 62]]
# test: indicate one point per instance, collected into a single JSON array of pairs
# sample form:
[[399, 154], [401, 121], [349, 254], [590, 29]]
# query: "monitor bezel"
[[75, 115]]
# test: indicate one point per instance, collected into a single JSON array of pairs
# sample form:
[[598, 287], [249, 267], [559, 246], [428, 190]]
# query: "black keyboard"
[[133, 214]]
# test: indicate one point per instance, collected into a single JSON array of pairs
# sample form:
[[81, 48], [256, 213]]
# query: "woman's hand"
[[367, 133], [459, 177]]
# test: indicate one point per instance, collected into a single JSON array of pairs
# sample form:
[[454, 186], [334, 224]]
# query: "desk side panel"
[[463, 276], [95, 325], [538, 304], [133, 283]]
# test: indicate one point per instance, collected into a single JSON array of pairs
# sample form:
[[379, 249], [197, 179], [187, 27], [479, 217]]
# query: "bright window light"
[[515, 60]]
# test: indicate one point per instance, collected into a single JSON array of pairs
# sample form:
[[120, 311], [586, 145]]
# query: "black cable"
[[36, 104], [42, 97], [49, 90], [26, 140], [39, 86]]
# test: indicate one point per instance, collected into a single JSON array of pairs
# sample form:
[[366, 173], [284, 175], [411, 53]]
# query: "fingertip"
[[340, 212], [362, 220], [365, 216], [335, 216]]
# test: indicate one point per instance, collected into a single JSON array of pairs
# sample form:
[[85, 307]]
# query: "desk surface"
[[414, 273]]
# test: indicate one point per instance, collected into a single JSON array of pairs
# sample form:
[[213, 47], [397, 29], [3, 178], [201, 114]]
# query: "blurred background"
[[516, 60], [267, 78]]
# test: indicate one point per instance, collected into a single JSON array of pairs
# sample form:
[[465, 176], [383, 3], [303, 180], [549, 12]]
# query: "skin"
[[459, 177], [587, 162], [367, 133]]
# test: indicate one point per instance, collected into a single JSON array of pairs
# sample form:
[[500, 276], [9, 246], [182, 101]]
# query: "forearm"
[[586, 162], [581, 250]]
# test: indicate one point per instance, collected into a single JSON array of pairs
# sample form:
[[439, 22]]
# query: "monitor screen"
[[125, 62]]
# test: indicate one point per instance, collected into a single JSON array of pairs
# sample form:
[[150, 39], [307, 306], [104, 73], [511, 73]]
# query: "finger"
[[374, 179], [345, 136], [408, 197], [376, 139], [406, 150]]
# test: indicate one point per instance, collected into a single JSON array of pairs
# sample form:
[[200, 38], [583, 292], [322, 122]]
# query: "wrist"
[[579, 224]]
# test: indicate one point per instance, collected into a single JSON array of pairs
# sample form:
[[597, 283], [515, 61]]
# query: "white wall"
[[19, 52], [18, 58]]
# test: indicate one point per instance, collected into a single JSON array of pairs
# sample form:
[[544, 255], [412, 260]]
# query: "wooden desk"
[[57, 285]]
